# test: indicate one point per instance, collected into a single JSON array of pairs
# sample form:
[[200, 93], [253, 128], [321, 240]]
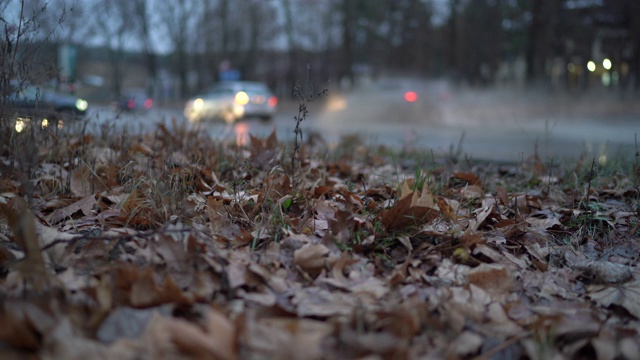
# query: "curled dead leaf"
[[311, 258], [413, 209]]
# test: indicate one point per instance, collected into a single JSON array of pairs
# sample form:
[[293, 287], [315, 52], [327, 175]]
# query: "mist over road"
[[497, 124]]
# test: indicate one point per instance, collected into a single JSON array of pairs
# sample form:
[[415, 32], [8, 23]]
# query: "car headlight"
[[198, 104], [242, 98], [20, 124], [82, 105]]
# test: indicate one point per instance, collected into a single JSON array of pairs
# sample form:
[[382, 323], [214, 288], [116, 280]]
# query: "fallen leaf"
[[126, 322], [470, 178], [467, 343], [414, 209], [23, 226], [311, 258], [494, 278], [287, 338], [624, 294]]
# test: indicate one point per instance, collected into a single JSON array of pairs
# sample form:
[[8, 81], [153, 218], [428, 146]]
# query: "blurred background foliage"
[[174, 49]]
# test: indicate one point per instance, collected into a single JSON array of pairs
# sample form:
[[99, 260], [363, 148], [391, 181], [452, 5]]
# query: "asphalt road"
[[504, 125]]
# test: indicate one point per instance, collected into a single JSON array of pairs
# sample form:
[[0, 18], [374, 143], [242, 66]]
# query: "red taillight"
[[131, 103], [273, 101], [148, 104], [410, 96]]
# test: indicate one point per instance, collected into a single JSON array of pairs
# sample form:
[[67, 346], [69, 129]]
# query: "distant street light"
[[591, 66], [607, 64]]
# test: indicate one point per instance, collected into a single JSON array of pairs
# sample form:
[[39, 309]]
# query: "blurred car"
[[231, 101], [134, 100], [29, 103], [35, 101]]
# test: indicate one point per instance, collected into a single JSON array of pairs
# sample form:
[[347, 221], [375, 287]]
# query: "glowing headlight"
[[20, 125], [197, 104], [242, 98], [82, 105], [45, 123]]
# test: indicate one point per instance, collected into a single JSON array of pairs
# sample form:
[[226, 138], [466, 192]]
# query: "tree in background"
[[476, 42], [179, 25], [143, 19], [25, 29], [112, 22]]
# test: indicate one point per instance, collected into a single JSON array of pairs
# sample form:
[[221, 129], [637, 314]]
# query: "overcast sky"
[[79, 24]]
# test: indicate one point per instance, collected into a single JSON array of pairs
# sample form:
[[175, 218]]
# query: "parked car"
[[231, 101], [28, 103], [134, 100]]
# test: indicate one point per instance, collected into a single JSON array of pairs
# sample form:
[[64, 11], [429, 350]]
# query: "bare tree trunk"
[[140, 7], [177, 18], [635, 38], [291, 72], [209, 59], [224, 20], [348, 21], [453, 41], [251, 56], [532, 43]]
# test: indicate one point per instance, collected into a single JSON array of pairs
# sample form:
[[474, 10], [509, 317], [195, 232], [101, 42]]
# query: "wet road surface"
[[501, 125]]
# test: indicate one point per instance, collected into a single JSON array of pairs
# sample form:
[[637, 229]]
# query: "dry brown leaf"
[[605, 272], [316, 302], [502, 195], [494, 278], [472, 192], [16, 330], [543, 223], [629, 347], [470, 178], [625, 295], [84, 182], [140, 289], [141, 148], [311, 258], [222, 335], [167, 337], [414, 208], [287, 338], [467, 343], [406, 242], [85, 205], [23, 226], [264, 152], [482, 215], [448, 211], [65, 342]]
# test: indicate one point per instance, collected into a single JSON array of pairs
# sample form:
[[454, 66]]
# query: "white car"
[[232, 100]]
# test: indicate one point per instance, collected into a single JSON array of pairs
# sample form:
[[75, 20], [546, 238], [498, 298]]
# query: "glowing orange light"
[[242, 134], [410, 96]]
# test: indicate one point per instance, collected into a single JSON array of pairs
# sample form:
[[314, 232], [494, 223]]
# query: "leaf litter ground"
[[169, 245]]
